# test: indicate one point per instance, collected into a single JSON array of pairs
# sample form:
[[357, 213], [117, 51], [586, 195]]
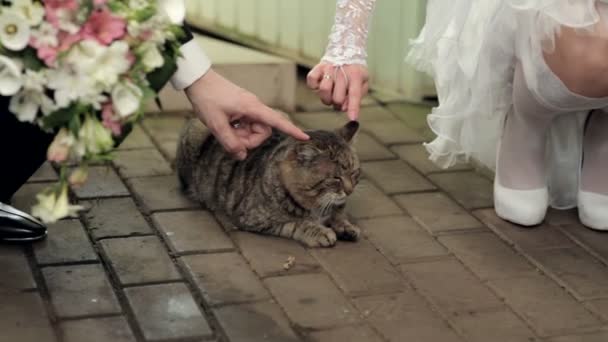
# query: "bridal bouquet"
[[83, 70]]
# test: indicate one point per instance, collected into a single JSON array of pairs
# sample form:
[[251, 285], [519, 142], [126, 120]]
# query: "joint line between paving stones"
[[43, 291]]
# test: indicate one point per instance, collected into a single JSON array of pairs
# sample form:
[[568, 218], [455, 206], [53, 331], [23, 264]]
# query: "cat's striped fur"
[[285, 187]]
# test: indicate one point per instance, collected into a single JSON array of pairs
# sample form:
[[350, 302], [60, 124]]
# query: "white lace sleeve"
[[348, 38]]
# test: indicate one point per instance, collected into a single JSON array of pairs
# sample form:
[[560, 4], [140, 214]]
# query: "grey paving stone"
[[470, 189], [417, 156], [368, 149], [312, 301], [351, 334], [544, 305], [16, 272], [114, 329], [395, 176], [141, 163], [255, 322], [424, 208], [167, 312], [405, 317], [601, 336], [359, 268], [401, 239], [113, 217], [102, 182], [25, 197], [137, 139], [80, 291], [67, 242], [596, 242], [160, 193], [192, 231], [462, 293], [224, 278], [487, 256], [268, 255], [24, 318], [580, 272], [45, 173], [140, 260], [487, 326], [368, 201], [164, 127], [544, 236]]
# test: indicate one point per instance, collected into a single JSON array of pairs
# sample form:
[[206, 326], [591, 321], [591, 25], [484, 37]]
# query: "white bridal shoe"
[[522, 207], [593, 210]]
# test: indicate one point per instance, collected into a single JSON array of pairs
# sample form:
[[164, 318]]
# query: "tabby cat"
[[288, 188]]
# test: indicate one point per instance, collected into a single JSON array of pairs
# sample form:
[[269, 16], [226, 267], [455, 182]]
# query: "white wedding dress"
[[470, 48]]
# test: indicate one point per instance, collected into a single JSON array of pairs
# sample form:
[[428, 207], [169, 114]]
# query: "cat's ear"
[[305, 153], [349, 131]]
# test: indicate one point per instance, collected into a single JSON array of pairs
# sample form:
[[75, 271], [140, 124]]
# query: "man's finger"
[[227, 138], [259, 134], [354, 99], [267, 116]]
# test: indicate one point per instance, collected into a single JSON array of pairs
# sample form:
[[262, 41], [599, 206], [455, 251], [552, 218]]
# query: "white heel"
[[523, 207], [593, 210]]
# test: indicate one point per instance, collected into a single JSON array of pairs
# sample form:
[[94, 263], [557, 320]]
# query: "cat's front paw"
[[347, 231], [322, 237]]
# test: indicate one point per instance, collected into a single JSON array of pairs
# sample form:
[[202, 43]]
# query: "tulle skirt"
[[470, 48]]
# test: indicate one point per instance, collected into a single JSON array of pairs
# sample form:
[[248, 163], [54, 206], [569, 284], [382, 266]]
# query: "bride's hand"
[[343, 87]]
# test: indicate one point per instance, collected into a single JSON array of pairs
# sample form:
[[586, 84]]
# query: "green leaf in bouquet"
[[144, 14], [159, 77], [118, 6], [64, 116], [30, 60]]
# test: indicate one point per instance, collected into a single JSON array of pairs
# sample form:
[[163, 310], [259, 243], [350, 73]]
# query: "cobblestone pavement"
[[435, 264]]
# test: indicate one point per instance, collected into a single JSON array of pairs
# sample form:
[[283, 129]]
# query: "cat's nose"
[[348, 187]]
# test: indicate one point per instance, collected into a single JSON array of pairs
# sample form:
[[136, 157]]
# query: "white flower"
[[156, 29], [175, 10], [10, 76], [14, 32], [32, 12], [93, 138], [53, 207], [151, 56], [104, 65], [111, 64], [34, 80], [27, 103], [127, 98], [46, 35], [69, 85], [31, 99]]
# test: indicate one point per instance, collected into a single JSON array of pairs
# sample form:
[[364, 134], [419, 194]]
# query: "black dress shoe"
[[17, 226]]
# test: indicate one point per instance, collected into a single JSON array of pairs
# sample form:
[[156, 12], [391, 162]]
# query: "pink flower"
[[99, 3], [49, 54], [52, 7], [109, 120], [104, 27]]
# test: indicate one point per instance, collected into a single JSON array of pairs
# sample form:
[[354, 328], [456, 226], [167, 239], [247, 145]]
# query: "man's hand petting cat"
[[343, 87], [236, 117]]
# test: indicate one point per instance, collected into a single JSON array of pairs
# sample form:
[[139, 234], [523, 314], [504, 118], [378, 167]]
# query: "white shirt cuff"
[[193, 64]]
